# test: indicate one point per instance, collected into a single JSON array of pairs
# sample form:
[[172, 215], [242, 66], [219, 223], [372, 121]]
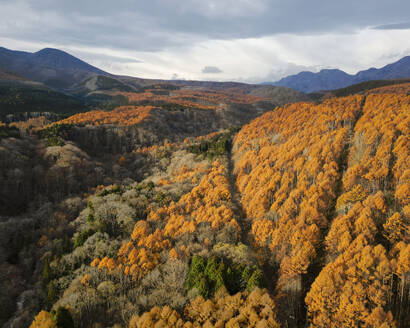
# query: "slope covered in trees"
[[152, 215], [326, 189]]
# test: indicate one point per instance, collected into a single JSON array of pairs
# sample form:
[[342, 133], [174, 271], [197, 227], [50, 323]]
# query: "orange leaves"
[[124, 115], [43, 320], [142, 255], [141, 229], [262, 230], [107, 263], [403, 193], [95, 262], [165, 317], [240, 310], [207, 202], [363, 287], [351, 197], [401, 258], [204, 99], [289, 164], [395, 229], [173, 254], [86, 279], [403, 88], [286, 162], [348, 290], [138, 261], [380, 133]]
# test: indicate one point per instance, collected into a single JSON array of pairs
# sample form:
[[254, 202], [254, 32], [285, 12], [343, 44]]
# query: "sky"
[[224, 40]]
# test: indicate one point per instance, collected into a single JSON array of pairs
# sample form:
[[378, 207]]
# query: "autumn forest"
[[192, 206]]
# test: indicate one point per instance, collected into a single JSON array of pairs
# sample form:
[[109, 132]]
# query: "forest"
[[209, 208]]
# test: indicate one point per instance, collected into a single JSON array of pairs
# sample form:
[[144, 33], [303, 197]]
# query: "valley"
[[129, 202]]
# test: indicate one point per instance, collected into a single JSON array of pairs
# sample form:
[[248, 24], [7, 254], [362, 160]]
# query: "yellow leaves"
[[396, 230], [107, 263], [125, 249], [355, 195], [95, 262], [358, 285], [403, 193], [85, 280], [205, 203], [239, 310], [365, 225], [157, 317], [173, 254], [351, 176], [141, 230], [300, 258], [262, 230], [401, 256], [111, 265], [296, 177], [124, 115], [379, 319], [43, 320]]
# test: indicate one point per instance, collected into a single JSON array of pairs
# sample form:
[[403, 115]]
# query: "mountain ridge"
[[330, 79], [53, 67]]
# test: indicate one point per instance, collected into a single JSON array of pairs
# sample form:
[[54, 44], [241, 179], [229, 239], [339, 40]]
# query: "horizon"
[[205, 80], [241, 41]]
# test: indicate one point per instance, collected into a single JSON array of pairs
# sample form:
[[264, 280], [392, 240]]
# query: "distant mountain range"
[[61, 71], [329, 79], [52, 67], [55, 81]]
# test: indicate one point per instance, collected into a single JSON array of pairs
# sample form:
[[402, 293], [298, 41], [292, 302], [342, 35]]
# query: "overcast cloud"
[[211, 70], [245, 40]]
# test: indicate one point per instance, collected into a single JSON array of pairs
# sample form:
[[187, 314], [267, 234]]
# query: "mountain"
[[52, 67], [399, 69], [138, 217], [309, 82], [55, 70], [329, 79]]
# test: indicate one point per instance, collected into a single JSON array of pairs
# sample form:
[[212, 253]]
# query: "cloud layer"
[[211, 70], [249, 40]]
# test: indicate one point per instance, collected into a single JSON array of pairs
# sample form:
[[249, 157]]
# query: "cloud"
[[211, 70], [107, 57], [160, 24], [252, 40], [395, 26]]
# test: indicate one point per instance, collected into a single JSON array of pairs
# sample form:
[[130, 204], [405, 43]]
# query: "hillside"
[[325, 187], [329, 79], [5, 76], [365, 87], [165, 212], [16, 99], [29, 76]]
